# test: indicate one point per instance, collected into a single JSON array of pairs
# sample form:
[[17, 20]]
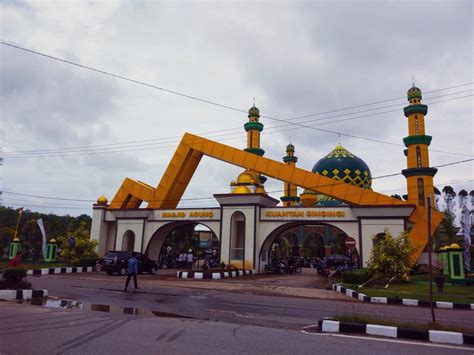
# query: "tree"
[[84, 247], [390, 256]]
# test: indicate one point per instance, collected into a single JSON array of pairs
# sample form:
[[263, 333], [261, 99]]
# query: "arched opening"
[[305, 240], [237, 237], [184, 245], [128, 241]]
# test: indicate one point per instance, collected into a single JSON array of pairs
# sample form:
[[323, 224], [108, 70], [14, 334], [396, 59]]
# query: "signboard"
[[72, 241], [336, 213], [205, 240], [189, 214], [350, 242]]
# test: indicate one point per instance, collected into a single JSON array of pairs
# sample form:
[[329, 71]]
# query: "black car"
[[117, 261], [339, 262]]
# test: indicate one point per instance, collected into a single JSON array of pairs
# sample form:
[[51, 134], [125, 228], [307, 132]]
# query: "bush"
[[13, 279], [14, 274], [205, 266], [357, 276], [88, 262]]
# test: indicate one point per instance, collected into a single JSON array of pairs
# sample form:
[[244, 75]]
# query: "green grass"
[[366, 319], [34, 265], [452, 293]]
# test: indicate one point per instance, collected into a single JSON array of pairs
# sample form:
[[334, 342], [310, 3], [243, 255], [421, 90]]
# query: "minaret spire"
[[419, 175]]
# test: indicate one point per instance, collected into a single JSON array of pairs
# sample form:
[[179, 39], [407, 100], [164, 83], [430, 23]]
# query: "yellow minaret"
[[290, 198], [250, 181], [419, 175]]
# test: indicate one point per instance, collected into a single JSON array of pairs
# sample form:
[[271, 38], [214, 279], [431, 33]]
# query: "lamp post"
[[430, 267]]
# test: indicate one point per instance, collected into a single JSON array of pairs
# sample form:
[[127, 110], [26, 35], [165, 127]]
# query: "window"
[[237, 236], [417, 129], [421, 192], [418, 157]]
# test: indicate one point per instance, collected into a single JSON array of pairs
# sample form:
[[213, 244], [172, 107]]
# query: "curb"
[[12, 295], [433, 336], [212, 275], [59, 270], [400, 301]]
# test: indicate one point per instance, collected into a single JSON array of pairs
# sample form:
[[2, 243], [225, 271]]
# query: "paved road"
[[255, 315], [26, 329], [239, 301]]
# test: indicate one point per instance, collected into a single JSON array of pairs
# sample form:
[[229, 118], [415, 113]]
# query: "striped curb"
[[59, 270], [433, 336], [12, 295], [197, 275], [400, 301]]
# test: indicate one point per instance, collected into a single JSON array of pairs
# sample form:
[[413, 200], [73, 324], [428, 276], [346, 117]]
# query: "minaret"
[[250, 181], [290, 198], [419, 175], [253, 128]]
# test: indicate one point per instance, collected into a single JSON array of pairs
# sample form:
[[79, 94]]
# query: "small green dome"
[[342, 165], [254, 112], [414, 93], [290, 148]]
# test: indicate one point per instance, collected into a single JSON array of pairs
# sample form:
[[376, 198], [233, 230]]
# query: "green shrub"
[[14, 274], [87, 262], [356, 276]]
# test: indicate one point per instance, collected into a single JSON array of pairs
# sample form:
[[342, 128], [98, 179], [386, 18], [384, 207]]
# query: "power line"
[[207, 198], [134, 143], [150, 146], [205, 100]]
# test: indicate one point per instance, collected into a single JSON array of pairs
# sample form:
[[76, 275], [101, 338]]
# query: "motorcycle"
[[276, 267]]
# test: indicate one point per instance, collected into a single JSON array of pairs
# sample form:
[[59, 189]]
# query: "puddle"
[[95, 307]]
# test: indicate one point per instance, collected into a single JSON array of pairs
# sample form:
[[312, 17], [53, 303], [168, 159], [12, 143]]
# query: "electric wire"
[[207, 198], [200, 99]]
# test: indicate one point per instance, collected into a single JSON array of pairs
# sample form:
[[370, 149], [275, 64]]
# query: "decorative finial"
[[413, 80], [290, 139], [254, 102]]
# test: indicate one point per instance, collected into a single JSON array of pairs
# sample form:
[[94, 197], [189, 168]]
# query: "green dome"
[[290, 148], [414, 93], [254, 112], [342, 165]]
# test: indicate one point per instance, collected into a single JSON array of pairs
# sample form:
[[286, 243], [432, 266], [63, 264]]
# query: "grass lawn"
[[34, 265], [452, 293]]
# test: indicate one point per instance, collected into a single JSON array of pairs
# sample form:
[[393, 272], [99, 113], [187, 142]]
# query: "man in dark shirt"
[[132, 270]]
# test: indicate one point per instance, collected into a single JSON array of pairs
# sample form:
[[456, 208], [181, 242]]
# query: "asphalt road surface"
[[256, 316]]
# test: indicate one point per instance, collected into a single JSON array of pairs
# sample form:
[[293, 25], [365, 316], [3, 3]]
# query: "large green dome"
[[342, 165]]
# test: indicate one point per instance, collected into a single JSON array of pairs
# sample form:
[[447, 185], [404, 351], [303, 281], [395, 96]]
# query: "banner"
[[41, 227]]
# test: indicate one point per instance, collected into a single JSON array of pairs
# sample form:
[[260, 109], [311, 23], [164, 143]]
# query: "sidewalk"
[[307, 284]]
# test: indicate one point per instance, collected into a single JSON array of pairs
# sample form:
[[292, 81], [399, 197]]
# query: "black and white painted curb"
[[400, 301], [199, 275], [59, 270], [12, 295], [434, 336]]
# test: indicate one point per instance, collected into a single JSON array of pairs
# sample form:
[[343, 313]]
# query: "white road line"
[[400, 341]]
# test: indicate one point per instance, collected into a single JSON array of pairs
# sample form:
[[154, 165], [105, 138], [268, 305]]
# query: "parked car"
[[339, 262], [117, 261]]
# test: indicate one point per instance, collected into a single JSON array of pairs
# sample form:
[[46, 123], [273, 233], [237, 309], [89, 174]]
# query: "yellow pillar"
[[419, 175], [290, 198]]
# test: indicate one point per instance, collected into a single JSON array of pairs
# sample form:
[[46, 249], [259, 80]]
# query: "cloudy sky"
[[73, 134]]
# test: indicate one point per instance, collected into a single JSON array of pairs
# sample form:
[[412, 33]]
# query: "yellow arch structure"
[[189, 152]]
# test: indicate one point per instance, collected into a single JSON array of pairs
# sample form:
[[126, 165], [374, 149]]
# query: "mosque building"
[[336, 213]]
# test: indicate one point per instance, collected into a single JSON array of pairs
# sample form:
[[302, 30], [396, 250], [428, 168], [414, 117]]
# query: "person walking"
[[132, 270], [190, 259]]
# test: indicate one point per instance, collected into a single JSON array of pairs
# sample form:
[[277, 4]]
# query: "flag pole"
[[20, 212]]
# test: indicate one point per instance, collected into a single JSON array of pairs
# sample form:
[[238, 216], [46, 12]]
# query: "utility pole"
[[430, 265]]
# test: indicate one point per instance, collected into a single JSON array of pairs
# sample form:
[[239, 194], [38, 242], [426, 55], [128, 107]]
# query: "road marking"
[[386, 340]]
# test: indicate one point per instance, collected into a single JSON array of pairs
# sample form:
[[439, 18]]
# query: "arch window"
[[237, 236], [128, 241], [417, 127]]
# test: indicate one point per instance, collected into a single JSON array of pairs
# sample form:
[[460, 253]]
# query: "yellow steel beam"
[[191, 149]]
